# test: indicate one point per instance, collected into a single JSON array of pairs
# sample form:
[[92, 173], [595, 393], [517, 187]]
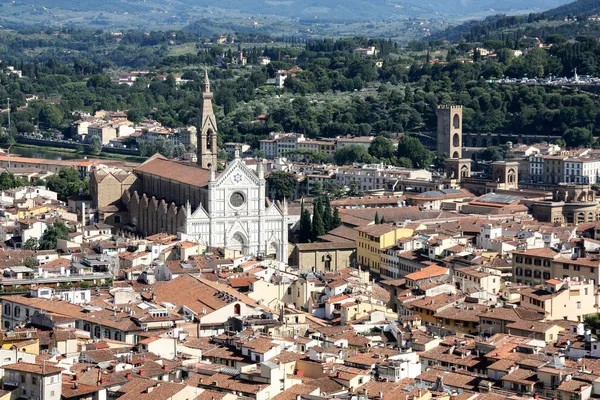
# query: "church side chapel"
[[227, 209]]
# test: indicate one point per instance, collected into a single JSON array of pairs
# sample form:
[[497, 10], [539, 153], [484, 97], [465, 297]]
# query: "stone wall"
[[149, 215]]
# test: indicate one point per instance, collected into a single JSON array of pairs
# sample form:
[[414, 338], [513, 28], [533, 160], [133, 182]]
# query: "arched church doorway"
[[238, 242], [273, 250]]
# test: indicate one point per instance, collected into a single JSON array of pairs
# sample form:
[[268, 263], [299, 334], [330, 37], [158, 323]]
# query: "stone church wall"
[[150, 216]]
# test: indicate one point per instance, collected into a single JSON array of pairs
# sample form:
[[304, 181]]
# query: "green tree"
[[284, 184], [377, 221], [327, 217], [30, 262], [352, 154], [413, 149], [578, 137], [51, 114], [259, 154], [404, 162], [593, 321], [318, 227], [492, 153], [317, 189], [305, 230], [58, 230], [67, 183], [95, 146], [335, 219], [31, 244], [7, 181], [355, 189], [382, 147], [335, 190]]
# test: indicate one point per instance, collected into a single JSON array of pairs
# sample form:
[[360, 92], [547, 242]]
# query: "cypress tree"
[[305, 225], [327, 214], [318, 229], [382, 220], [376, 218], [335, 219]]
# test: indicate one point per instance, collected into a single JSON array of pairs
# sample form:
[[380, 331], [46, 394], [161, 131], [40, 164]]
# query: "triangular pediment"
[[237, 174], [237, 227], [273, 210], [200, 213]]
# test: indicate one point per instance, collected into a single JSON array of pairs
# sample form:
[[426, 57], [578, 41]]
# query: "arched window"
[[456, 122], [327, 262], [464, 172], [97, 332], [7, 309], [237, 309], [456, 140]]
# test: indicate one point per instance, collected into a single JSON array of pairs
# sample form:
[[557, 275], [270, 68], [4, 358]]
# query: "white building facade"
[[238, 216]]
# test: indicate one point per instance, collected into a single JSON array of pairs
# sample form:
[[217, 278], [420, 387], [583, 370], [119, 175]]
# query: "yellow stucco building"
[[372, 240]]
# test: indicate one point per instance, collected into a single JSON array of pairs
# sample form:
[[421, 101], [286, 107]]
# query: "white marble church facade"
[[238, 216]]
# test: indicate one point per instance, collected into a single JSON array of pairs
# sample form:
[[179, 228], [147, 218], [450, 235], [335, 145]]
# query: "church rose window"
[[237, 199]]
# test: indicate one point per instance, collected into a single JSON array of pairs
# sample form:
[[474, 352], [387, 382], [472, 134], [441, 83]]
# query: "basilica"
[[218, 209]]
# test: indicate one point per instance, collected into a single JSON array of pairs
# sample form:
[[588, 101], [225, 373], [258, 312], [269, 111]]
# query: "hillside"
[[579, 7], [558, 20], [66, 11]]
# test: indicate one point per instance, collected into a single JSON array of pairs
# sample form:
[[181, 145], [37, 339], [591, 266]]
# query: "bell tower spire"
[[207, 133]]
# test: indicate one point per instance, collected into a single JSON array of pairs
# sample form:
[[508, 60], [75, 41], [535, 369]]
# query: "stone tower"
[[207, 150], [449, 130], [506, 174]]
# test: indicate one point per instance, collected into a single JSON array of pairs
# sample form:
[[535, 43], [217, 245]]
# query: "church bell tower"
[[207, 133]]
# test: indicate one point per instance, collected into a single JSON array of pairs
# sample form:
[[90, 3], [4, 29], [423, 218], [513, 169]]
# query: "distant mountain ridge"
[[315, 9]]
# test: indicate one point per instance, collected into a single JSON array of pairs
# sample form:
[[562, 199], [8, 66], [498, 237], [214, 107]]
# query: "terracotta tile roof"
[[77, 390], [459, 379], [531, 326], [296, 390], [210, 395], [330, 245], [573, 386], [335, 299], [377, 230], [57, 263], [241, 282], [554, 281], [512, 314], [434, 303], [176, 171], [544, 252], [521, 375], [337, 283], [40, 369], [259, 345], [465, 312], [540, 294], [149, 389], [427, 272]]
